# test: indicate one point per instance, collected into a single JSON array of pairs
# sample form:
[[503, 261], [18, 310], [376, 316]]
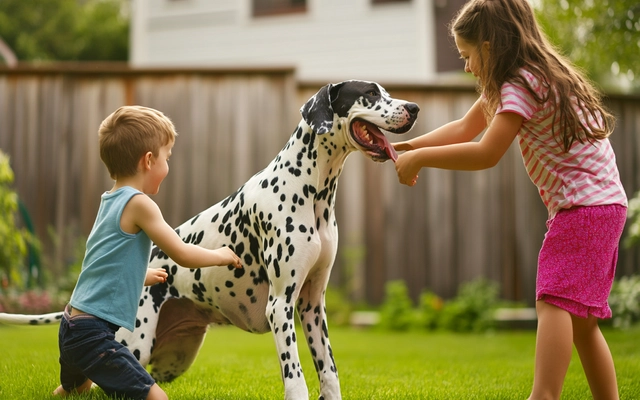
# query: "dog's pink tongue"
[[391, 152]]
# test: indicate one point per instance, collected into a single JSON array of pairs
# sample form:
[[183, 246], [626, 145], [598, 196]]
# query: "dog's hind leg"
[[140, 341], [179, 335]]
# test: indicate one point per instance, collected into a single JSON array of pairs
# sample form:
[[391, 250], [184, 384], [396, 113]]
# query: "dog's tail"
[[23, 319]]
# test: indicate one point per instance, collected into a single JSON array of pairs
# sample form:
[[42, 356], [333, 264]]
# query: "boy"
[[135, 145]]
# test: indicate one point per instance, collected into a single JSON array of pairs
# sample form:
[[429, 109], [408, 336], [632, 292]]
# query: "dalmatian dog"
[[281, 222]]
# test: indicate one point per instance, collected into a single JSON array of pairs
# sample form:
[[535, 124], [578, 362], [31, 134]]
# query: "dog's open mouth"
[[372, 140]]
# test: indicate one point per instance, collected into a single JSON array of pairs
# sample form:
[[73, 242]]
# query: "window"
[[274, 7], [389, 1], [447, 58]]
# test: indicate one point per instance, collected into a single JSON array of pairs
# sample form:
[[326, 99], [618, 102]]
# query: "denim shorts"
[[88, 350]]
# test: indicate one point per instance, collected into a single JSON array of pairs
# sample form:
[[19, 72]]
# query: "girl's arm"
[[462, 130], [146, 214], [467, 156]]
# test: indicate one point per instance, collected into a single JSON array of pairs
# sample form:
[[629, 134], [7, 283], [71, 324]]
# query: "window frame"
[[262, 8]]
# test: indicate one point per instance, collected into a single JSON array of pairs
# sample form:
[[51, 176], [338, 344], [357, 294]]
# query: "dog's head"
[[367, 111]]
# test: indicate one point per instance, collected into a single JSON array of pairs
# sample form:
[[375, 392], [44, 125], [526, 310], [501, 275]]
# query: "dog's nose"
[[412, 109]]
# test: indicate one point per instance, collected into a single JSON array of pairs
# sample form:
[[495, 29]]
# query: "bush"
[[397, 312], [429, 309], [472, 309], [624, 301], [14, 240], [31, 302], [338, 307], [633, 212]]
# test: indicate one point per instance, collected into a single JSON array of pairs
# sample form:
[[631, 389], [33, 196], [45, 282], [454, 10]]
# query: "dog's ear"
[[317, 111]]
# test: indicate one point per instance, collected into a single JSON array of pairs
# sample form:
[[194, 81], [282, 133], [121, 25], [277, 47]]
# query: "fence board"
[[450, 228]]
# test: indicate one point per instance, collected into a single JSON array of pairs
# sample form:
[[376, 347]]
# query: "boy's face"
[[159, 168]]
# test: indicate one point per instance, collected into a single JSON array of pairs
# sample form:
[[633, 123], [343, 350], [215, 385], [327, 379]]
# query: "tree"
[[66, 30], [601, 36]]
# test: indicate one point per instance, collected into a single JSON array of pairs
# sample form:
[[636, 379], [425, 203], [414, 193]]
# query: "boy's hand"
[[155, 275], [228, 257]]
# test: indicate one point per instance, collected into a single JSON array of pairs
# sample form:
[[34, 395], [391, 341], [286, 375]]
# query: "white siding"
[[334, 40]]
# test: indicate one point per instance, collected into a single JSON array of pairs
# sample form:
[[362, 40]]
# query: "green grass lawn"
[[373, 365]]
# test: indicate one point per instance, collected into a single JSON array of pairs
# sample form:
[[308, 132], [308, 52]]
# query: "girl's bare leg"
[[85, 387], [554, 344], [595, 357]]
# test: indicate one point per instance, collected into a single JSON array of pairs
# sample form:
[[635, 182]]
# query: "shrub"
[[14, 239], [429, 309], [30, 302], [338, 307], [472, 309], [396, 312], [633, 212], [624, 301]]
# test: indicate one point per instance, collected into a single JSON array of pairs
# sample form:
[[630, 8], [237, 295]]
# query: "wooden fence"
[[450, 228]]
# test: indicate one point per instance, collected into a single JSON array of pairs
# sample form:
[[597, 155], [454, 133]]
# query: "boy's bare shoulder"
[[142, 203], [140, 209]]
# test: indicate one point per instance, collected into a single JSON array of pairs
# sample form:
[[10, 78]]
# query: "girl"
[[530, 92]]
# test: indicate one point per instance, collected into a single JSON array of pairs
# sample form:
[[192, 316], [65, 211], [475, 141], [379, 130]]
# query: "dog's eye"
[[372, 93]]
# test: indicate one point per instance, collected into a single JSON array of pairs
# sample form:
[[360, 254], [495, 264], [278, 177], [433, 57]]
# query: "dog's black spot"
[[276, 267], [198, 290], [158, 294], [238, 272], [289, 292]]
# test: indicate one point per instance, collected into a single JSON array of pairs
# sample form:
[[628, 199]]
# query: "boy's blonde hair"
[[516, 41], [128, 134]]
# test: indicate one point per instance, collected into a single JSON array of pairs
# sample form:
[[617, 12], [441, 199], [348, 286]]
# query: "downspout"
[[8, 55]]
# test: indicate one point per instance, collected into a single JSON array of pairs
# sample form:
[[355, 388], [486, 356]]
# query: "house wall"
[[333, 41]]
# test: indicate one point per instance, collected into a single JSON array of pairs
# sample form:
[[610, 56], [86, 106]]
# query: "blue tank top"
[[114, 265]]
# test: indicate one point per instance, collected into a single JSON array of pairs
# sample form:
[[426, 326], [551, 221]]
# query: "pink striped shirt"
[[585, 176]]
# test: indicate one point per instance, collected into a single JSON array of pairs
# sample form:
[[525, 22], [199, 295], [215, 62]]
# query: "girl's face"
[[471, 55]]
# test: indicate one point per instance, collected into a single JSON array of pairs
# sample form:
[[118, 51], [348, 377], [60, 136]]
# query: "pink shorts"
[[577, 262]]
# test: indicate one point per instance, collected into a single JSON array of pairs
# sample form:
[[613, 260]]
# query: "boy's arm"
[[147, 215], [462, 130]]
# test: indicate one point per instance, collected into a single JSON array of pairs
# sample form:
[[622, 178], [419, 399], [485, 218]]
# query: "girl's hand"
[[155, 275], [228, 257], [407, 172], [402, 146]]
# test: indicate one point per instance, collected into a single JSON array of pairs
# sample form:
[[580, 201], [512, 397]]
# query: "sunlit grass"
[[373, 365]]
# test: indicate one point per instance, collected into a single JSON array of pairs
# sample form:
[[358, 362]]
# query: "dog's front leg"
[[311, 308], [280, 313]]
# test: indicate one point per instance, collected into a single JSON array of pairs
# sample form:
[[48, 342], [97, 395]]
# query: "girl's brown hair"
[[128, 134], [516, 41]]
